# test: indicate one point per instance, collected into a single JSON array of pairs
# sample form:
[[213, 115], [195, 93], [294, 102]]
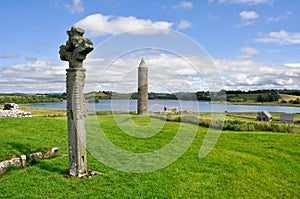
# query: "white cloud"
[[184, 24], [247, 74], [247, 2], [10, 56], [30, 58], [99, 25], [248, 15], [36, 76], [173, 74], [184, 4], [248, 52], [247, 18], [279, 18], [293, 65], [167, 73], [282, 37], [76, 7]]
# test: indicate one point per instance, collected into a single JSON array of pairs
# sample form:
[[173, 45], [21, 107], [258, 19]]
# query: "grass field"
[[241, 165], [251, 100], [251, 116], [287, 97]]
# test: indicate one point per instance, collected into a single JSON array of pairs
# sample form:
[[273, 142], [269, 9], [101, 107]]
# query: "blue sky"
[[253, 43]]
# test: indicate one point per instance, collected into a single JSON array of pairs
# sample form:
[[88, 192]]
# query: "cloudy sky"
[[239, 44]]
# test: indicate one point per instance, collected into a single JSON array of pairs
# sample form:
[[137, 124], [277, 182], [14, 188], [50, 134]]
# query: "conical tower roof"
[[142, 63]]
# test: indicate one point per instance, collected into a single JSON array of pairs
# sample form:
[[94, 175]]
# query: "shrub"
[[296, 101], [268, 97]]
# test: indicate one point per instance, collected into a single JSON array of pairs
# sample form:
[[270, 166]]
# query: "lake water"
[[158, 105]]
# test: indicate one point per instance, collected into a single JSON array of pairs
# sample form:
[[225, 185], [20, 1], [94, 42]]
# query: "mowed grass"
[[44, 112], [241, 165]]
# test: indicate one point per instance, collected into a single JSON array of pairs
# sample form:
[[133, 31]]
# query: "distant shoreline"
[[260, 104]]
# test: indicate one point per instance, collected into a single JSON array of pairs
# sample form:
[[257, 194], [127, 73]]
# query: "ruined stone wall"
[[12, 110], [21, 161]]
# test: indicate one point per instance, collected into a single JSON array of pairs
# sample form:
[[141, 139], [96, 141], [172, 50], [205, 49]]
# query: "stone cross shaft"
[[142, 108], [75, 51]]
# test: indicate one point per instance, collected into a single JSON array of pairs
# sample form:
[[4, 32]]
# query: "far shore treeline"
[[31, 98], [231, 96]]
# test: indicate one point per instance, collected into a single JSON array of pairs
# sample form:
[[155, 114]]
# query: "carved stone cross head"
[[76, 48]]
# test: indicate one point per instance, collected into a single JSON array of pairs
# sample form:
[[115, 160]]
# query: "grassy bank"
[[44, 112], [234, 122], [241, 165], [279, 103]]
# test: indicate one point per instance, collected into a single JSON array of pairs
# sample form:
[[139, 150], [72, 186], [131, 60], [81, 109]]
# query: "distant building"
[[170, 109], [287, 118], [264, 116]]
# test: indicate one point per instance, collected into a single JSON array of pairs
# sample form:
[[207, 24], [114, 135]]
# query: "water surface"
[[158, 105]]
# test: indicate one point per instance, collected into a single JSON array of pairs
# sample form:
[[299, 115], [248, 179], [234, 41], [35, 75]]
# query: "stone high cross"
[[75, 51]]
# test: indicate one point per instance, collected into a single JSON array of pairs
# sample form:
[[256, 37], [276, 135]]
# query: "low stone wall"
[[12, 110], [17, 162], [21, 161]]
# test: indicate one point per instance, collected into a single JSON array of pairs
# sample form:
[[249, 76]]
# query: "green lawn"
[[241, 165]]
